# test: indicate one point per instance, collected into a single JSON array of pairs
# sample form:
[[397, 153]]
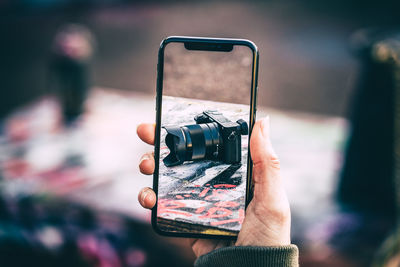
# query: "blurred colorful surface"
[[92, 163]]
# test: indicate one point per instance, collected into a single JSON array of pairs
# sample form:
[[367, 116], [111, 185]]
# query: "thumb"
[[266, 165], [267, 220]]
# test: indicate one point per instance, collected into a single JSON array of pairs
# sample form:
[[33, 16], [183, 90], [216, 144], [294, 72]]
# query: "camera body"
[[213, 137], [229, 149]]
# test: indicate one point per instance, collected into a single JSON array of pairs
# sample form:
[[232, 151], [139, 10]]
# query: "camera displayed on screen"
[[205, 113], [213, 137]]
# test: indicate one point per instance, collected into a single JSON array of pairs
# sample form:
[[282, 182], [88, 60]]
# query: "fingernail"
[[143, 196], [265, 126], [144, 157]]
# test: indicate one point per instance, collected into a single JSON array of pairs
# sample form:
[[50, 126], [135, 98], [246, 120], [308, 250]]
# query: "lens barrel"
[[192, 142]]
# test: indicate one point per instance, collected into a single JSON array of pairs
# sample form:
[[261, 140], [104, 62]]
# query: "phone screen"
[[204, 122]]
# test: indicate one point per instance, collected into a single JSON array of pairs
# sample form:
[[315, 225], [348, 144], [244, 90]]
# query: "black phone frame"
[[206, 44]]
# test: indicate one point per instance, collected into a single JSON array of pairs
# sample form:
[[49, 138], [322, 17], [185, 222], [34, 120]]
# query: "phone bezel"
[[213, 44]]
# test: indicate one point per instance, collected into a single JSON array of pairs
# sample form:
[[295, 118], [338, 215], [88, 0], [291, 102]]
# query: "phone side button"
[[255, 100]]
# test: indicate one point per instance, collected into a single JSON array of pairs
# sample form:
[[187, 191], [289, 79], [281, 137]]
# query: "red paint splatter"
[[187, 195], [239, 220], [169, 206], [204, 192], [227, 204], [177, 212], [224, 185], [200, 210], [179, 196], [212, 213], [217, 194]]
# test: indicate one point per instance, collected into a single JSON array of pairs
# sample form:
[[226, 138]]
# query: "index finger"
[[146, 132]]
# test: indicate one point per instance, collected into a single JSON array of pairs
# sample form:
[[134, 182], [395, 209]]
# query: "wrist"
[[262, 242]]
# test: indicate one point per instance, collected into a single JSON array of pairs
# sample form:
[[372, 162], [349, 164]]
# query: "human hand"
[[267, 219]]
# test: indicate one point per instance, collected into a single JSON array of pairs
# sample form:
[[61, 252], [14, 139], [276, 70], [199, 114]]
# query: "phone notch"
[[221, 47]]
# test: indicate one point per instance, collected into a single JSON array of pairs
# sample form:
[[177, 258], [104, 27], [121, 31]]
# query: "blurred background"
[[77, 76]]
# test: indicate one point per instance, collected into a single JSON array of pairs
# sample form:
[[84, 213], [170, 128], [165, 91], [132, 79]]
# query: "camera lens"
[[176, 142], [192, 142]]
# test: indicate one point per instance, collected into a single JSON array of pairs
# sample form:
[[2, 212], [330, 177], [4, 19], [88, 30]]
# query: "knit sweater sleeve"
[[285, 256]]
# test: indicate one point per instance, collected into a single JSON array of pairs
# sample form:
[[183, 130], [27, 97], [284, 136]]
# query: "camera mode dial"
[[244, 128]]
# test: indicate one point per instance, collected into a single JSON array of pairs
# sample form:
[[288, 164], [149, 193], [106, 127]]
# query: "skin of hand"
[[267, 219]]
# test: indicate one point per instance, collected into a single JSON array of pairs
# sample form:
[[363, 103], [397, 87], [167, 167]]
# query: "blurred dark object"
[[367, 182], [388, 50], [368, 191], [73, 48]]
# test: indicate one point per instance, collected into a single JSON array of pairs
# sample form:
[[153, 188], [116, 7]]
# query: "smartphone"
[[205, 111]]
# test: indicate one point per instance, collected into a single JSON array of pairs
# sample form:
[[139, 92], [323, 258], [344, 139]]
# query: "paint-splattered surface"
[[204, 192]]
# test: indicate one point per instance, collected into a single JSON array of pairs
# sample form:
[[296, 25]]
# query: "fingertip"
[[147, 198], [147, 165], [265, 126], [150, 200], [139, 129], [261, 148], [262, 128], [257, 124], [146, 132], [256, 134]]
